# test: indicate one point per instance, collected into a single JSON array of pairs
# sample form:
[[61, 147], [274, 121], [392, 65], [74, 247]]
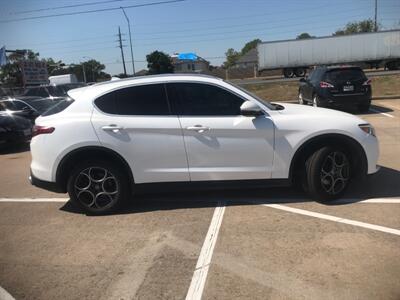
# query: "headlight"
[[367, 128]]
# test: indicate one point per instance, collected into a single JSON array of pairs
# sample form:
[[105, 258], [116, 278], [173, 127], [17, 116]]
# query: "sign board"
[[34, 72]]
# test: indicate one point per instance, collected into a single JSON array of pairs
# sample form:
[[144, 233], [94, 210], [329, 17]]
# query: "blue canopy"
[[187, 56]]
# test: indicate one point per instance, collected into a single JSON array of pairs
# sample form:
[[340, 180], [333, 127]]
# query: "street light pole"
[[84, 72], [130, 40]]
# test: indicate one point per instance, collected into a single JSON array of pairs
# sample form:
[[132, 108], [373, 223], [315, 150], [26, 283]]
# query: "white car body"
[[168, 148]]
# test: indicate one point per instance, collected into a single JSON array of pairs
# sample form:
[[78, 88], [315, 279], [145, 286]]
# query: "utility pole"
[[122, 50], [376, 15], [130, 40], [84, 72]]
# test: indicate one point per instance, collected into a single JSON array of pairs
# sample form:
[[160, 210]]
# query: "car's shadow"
[[14, 148], [381, 185]]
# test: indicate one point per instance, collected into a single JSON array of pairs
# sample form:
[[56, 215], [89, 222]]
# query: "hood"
[[316, 112]]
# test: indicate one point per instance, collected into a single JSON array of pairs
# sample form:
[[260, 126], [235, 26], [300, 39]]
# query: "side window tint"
[[197, 99], [138, 100]]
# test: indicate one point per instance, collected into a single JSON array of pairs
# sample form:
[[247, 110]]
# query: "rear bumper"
[[343, 100], [15, 136], [46, 185]]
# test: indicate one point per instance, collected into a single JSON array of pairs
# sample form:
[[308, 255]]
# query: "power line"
[[63, 7], [236, 31], [89, 11]]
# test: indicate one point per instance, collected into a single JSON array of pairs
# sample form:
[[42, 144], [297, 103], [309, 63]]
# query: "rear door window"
[[137, 100]]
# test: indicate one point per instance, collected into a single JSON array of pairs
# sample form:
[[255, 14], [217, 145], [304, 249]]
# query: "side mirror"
[[250, 109]]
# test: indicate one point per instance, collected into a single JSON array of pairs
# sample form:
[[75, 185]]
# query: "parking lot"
[[247, 244]]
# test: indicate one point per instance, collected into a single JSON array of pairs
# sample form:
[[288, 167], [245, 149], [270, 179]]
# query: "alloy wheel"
[[96, 188], [335, 173]]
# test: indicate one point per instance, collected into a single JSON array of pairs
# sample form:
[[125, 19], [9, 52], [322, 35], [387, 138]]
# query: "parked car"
[[52, 91], [14, 129], [119, 137], [27, 107], [336, 87]]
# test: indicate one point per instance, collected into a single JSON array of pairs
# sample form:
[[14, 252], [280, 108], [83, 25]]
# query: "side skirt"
[[208, 185]]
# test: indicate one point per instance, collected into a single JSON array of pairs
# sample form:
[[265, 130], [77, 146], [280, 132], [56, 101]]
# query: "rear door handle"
[[198, 128], [112, 127]]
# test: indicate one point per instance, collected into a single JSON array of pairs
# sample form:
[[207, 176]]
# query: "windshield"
[[56, 91], [341, 76], [41, 105]]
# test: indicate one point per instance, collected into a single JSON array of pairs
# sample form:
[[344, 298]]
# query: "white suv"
[[114, 138]]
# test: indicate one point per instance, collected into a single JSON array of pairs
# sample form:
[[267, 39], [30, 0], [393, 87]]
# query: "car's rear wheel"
[[97, 187], [328, 173]]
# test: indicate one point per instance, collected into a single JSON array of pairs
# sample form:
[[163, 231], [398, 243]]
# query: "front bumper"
[[46, 185]]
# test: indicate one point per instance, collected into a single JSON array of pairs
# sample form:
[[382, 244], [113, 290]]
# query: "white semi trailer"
[[296, 56]]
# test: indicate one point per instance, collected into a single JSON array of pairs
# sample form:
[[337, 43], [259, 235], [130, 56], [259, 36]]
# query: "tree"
[[159, 63], [231, 57], [367, 25], [10, 74], [93, 70], [304, 35], [250, 45]]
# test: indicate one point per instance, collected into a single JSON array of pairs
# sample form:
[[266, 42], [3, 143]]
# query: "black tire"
[[300, 72], [98, 187], [364, 107], [288, 73], [327, 181]]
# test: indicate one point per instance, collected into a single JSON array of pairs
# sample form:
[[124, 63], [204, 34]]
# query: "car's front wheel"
[[301, 100], [315, 101], [328, 173], [98, 187]]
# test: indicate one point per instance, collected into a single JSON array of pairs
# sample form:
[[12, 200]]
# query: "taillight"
[[325, 85], [368, 82], [37, 129]]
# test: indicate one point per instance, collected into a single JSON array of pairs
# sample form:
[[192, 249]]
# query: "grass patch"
[[279, 91]]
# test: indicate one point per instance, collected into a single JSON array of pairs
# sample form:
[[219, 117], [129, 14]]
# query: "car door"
[[137, 123], [221, 144]]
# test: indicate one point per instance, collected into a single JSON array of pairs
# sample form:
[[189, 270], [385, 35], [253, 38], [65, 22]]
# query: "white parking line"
[[394, 200], [203, 263], [33, 200], [333, 218], [381, 113], [4, 295]]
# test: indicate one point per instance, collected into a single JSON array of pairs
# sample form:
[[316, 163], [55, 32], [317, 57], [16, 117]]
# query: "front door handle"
[[198, 128], [112, 127]]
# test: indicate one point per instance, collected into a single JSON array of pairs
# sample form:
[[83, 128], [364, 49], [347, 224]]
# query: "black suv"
[[344, 86]]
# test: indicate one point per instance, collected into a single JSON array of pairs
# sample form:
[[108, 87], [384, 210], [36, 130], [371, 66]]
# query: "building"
[[189, 63]]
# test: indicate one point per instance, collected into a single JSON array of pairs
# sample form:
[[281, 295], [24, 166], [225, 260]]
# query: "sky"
[[206, 27]]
